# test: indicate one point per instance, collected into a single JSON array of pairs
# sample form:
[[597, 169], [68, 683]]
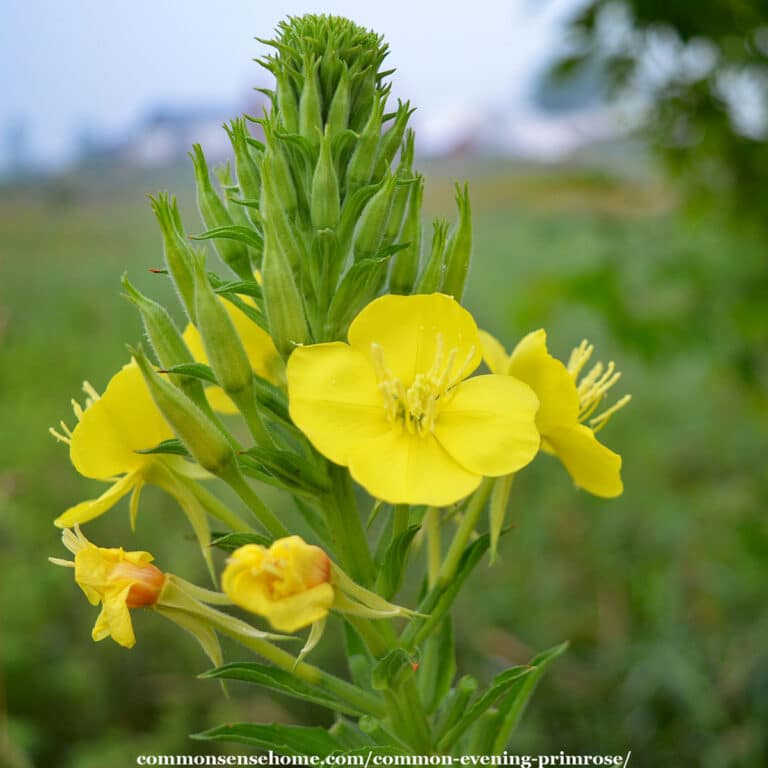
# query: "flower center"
[[593, 386], [417, 406]]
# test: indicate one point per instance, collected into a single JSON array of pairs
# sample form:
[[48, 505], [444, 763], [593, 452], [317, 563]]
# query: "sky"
[[67, 67]]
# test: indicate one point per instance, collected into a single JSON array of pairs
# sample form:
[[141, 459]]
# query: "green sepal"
[[281, 681], [431, 277], [195, 370], [283, 739], [230, 541], [458, 250], [172, 446], [437, 667], [392, 569]]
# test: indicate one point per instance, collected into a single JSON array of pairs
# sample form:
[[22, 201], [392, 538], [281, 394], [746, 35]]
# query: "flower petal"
[[115, 620], [407, 330], [592, 466], [494, 354], [401, 468], [334, 398], [548, 378], [123, 420], [488, 425], [88, 510]]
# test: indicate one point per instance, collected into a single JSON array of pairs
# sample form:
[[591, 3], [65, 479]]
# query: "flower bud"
[[203, 439], [283, 304], [276, 218], [245, 166], [223, 347], [370, 230], [390, 141], [166, 340], [276, 167], [178, 254], [287, 104], [289, 583], [325, 204], [361, 163], [214, 214], [432, 276], [458, 251], [405, 263], [338, 112], [310, 105]]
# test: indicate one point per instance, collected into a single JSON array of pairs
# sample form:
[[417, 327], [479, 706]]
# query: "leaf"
[[272, 398], [194, 370], [358, 287], [393, 568], [232, 232], [229, 542], [500, 686], [389, 672], [241, 288], [172, 446], [359, 660], [438, 666], [514, 704], [284, 739], [288, 469], [283, 682]]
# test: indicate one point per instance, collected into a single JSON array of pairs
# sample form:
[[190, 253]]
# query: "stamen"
[[74, 540], [600, 421], [91, 394], [579, 358], [77, 408], [59, 561], [59, 437]]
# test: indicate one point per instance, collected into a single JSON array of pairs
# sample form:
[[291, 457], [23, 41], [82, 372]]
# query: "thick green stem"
[[264, 515], [464, 532], [247, 407], [434, 545], [218, 509], [346, 528]]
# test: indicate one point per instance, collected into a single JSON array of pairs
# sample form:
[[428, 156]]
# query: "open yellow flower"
[[287, 583], [569, 400], [104, 444], [116, 579], [265, 360], [396, 407]]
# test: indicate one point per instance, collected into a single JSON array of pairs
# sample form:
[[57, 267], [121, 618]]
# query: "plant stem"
[[466, 528], [217, 508], [434, 544], [265, 516]]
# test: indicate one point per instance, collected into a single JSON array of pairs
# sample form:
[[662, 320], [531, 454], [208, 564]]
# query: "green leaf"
[[285, 739], [241, 288], [389, 673], [393, 568], [272, 398], [288, 469], [232, 232], [229, 542], [194, 370], [438, 666], [283, 682], [172, 446], [358, 287], [500, 686], [515, 701]]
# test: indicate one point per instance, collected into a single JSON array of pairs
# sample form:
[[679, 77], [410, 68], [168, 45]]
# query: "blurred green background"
[[662, 593]]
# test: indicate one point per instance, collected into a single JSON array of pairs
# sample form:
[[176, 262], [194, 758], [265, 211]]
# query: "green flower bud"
[[325, 204], [365, 94], [177, 252], [245, 166], [391, 140], [405, 263], [370, 230], [405, 180], [215, 214], [338, 112], [202, 438], [287, 104], [310, 105], [282, 224], [275, 165], [238, 213], [458, 251], [432, 277], [283, 304], [225, 352], [360, 168]]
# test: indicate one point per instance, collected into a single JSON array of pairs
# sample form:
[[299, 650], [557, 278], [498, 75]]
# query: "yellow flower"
[[104, 444], [262, 355], [394, 406], [289, 583], [566, 418], [117, 579]]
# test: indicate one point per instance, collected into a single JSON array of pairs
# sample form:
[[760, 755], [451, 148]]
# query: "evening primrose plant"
[[325, 352]]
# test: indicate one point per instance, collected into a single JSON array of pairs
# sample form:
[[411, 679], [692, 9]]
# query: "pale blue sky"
[[66, 65]]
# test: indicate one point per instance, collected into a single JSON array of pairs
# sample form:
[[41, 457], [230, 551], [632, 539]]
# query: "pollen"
[[416, 407], [593, 386]]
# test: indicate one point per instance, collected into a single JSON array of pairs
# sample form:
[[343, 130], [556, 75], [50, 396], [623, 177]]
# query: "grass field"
[[662, 593]]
